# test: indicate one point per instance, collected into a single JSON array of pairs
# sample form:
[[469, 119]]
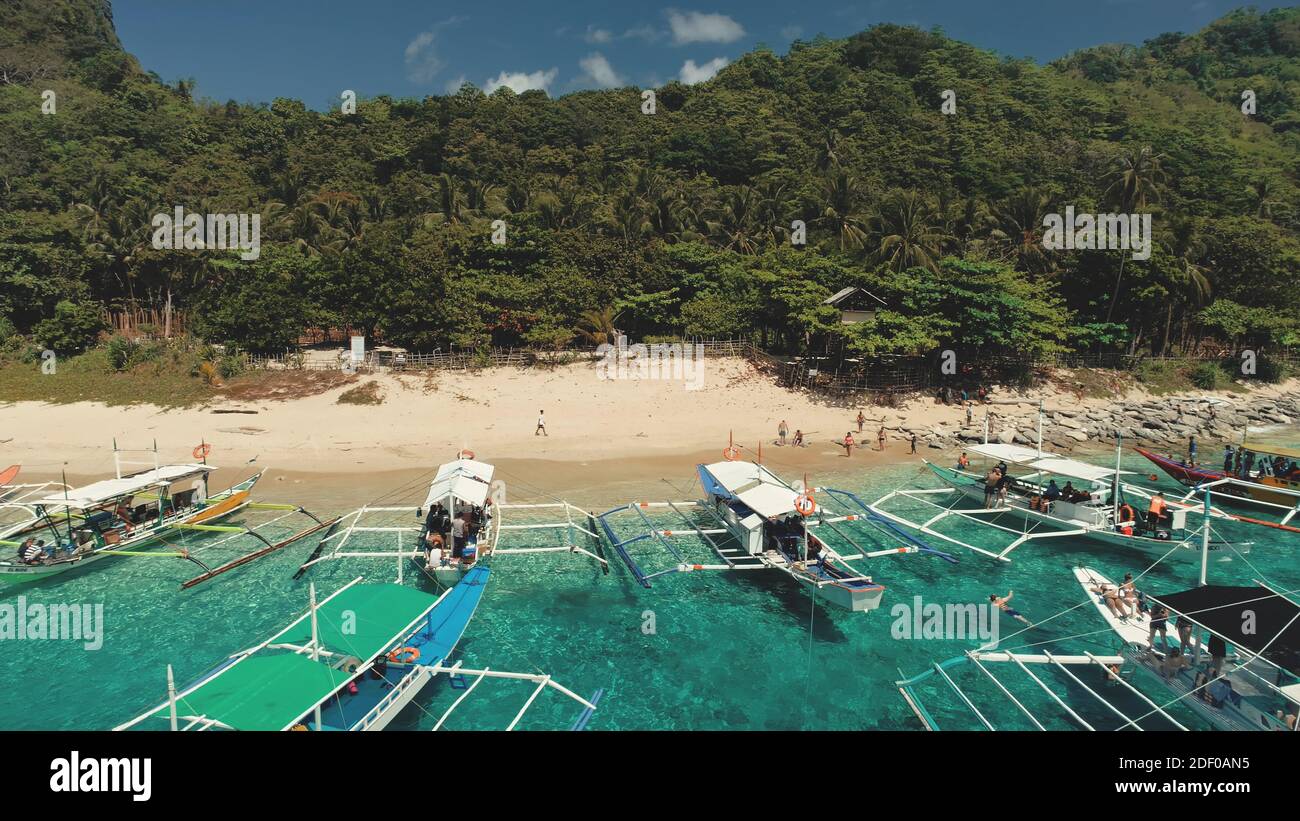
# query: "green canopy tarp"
[[262, 692], [362, 620]]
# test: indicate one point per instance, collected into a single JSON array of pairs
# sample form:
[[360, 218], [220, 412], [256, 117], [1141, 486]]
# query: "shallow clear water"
[[728, 650]]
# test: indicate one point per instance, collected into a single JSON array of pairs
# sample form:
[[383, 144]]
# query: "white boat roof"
[[464, 479], [757, 487], [1045, 462], [109, 489]]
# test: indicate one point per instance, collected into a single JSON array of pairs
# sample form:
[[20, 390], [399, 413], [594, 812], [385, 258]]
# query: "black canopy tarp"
[[1250, 618]]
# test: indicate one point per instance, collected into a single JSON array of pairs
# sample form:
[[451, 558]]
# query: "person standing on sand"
[[782, 430], [848, 444], [541, 424], [880, 437], [862, 420], [969, 409], [914, 443]]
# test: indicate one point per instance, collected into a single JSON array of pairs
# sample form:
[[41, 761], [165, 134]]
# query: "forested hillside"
[[675, 223]]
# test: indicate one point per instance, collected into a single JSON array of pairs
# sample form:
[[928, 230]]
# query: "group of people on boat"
[[464, 527], [1242, 463]]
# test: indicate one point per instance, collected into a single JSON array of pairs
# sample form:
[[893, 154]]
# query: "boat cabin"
[[461, 490], [757, 507]]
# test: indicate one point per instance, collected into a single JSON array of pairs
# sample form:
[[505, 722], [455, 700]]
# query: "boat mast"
[[171, 696], [1040, 428], [1114, 485], [315, 640], [1205, 539]]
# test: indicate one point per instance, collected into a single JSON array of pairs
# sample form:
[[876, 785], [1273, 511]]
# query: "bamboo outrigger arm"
[[265, 551]]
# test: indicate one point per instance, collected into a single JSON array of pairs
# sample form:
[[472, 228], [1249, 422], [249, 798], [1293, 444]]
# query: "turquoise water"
[[729, 650]]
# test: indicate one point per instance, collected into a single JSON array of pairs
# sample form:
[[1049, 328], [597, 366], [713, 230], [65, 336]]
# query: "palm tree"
[[828, 154], [448, 199], [1135, 183], [629, 217], [840, 210], [735, 226], [1261, 194], [908, 236], [597, 327], [1187, 277], [1019, 229], [117, 234]]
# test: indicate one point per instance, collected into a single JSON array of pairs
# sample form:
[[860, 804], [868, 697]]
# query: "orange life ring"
[[805, 504], [404, 655], [466, 454], [731, 453], [202, 451]]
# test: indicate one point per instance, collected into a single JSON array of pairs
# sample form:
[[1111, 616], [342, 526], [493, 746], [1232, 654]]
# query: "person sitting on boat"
[[433, 546], [1156, 512], [1052, 492], [1174, 663], [31, 551], [1000, 602]]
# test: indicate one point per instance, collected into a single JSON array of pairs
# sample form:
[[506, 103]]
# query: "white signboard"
[[358, 349]]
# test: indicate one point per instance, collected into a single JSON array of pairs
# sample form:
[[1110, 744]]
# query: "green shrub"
[[1271, 371], [72, 329], [1209, 376]]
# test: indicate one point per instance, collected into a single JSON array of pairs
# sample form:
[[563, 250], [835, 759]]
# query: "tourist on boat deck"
[[1249, 464], [1218, 652], [1156, 511], [1052, 492], [991, 480], [782, 430], [31, 551], [1184, 626], [1111, 598], [1191, 451], [1173, 662], [457, 537], [1227, 458], [1159, 624], [1236, 461], [433, 551]]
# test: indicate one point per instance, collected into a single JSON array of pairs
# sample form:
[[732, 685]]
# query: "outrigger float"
[[352, 662], [74, 527], [1279, 495], [1101, 512], [764, 524]]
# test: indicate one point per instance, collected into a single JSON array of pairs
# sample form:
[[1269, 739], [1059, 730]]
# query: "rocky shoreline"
[[1164, 422]]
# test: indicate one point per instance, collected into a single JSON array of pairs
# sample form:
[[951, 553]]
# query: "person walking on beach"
[[848, 444], [969, 410], [862, 420], [782, 430], [880, 438], [914, 443], [541, 424]]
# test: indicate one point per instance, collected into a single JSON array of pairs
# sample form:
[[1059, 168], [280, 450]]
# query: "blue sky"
[[256, 50]]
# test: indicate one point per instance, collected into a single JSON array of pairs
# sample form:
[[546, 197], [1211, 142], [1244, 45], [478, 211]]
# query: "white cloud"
[[597, 71], [692, 74], [421, 54], [647, 33], [595, 35], [791, 32], [696, 27], [519, 81], [453, 86]]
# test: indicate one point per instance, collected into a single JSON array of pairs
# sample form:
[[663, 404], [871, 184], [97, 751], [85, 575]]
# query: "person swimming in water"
[[1000, 602]]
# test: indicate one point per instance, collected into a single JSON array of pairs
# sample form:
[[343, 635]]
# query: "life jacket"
[[1157, 506]]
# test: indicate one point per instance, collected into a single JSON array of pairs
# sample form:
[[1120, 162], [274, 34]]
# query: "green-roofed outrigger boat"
[[353, 661]]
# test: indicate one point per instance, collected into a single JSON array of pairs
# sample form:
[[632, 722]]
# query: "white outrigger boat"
[[352, 662], [1101, 512], [460, 488], [770, 528], [78, 526]]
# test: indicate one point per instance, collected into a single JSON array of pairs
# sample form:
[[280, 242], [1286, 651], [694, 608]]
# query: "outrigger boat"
[[352, 662], [462, 486], [1264, 487], [1100, 512], [770, 528], [61, 528]]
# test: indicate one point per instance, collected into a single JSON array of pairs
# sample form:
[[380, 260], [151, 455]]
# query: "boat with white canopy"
[[1030, 505], [770, 527]]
